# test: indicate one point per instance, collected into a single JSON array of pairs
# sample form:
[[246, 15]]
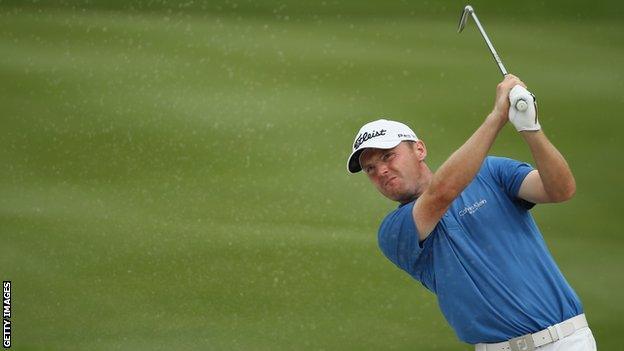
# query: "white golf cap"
[[379, 134]]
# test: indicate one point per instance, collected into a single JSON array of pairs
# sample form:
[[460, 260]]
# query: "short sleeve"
[[509, 174], [398, 238]]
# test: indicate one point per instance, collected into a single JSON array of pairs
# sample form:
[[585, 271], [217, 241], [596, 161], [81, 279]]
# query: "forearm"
[[553, 169], [462, 166]]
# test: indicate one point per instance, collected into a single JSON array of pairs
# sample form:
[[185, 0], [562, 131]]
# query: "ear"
[[420, 149]]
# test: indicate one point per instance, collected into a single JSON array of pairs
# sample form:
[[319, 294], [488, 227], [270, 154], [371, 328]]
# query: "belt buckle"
[[522, 343]]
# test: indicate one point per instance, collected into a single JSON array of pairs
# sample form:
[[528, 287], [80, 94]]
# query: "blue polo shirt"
[[486, 260]]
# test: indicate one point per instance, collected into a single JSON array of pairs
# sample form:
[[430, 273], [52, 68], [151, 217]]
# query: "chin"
[[397, 193], [398, 197], [401, 197]]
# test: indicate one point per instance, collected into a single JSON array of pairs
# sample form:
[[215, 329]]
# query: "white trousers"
[[580, 340]]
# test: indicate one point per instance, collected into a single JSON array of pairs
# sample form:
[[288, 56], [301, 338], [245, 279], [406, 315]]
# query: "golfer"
[[465, 232]]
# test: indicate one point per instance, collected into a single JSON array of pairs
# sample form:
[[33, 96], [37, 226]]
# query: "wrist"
[[530, 135], [498, 118]]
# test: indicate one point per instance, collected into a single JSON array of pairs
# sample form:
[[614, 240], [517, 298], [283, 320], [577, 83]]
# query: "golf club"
[[521, 105]]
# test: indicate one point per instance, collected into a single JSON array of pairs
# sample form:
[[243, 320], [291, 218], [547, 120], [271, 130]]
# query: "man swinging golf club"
[[466, 233]]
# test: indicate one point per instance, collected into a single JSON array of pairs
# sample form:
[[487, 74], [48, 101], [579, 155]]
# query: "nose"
[[382, 169]]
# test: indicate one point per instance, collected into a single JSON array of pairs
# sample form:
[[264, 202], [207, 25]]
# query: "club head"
[[464, 18]]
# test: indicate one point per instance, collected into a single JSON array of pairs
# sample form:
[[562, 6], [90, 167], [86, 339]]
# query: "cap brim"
[[353, 164]]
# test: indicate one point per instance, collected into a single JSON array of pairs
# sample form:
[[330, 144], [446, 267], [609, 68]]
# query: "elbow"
[[565, 193], [569, 194]]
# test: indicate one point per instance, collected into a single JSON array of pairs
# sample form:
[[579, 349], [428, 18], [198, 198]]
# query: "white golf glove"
[[527, 119]]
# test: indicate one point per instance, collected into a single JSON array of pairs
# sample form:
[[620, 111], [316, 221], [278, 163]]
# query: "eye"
[[369, 169], [387, 156]]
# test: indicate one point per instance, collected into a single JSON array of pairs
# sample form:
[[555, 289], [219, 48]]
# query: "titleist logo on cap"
[[367, 136]]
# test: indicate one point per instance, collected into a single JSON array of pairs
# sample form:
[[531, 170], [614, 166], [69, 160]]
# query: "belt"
[[530, 342]]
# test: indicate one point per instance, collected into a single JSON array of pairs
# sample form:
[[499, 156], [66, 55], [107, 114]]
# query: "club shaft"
[[489, 44]]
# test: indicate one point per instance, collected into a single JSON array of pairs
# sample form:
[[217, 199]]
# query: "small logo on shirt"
[[473, 208]]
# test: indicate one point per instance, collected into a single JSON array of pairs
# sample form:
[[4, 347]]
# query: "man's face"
[[395, 172]]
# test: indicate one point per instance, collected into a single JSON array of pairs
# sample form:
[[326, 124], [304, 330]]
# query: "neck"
[[425, 180]]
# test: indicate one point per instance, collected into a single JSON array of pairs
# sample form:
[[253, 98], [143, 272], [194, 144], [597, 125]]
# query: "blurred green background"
[[173, 173]]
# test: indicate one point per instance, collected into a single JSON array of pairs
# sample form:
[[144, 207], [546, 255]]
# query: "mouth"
[[389, 180]]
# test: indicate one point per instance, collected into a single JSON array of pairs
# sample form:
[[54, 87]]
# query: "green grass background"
[[173, 174]]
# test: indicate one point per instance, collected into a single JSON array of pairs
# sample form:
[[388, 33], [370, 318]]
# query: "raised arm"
[[553, 180], [462, 166]]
